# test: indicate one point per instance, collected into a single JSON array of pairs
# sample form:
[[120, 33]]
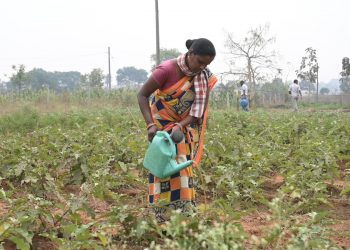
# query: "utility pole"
[[317, 83], [157, 35], [109, 70]]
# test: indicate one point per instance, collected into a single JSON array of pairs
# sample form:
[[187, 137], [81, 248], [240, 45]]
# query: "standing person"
[[179, 90], [295, 91], [244, 96]]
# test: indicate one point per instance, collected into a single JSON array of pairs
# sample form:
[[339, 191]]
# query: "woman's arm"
[[147, 89], [188, 120]]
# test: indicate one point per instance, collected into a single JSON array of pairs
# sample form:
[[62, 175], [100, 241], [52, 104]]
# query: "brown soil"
[[256, 223], [4, 207], [273, 182], [39, 243], [342, 240], [340, 213], [336, 186]]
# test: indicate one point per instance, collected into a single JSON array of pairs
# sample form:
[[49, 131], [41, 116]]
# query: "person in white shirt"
[[295, 92], [244, 96]]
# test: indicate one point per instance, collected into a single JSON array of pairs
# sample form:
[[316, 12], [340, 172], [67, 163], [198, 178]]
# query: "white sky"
[[66, 35]]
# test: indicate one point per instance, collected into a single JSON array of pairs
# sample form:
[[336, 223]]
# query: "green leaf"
[[207, 179], [345, 191], [20, 243], [4, 227], [3, 195], [295, 194], [103, 239], [123, 166]]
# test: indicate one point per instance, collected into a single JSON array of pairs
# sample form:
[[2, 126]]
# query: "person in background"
[[175, 97], [295, 92], [244, 96]]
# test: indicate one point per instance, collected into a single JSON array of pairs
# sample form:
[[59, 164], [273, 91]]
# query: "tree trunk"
[[227, 100], [317, 87], [249, 71], [251, 81]]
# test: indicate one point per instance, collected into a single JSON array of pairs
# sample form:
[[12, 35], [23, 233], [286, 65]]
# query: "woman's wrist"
[[179, 125], [149, 125]]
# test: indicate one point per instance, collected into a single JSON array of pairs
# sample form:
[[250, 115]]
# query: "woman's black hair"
[[201, 46]]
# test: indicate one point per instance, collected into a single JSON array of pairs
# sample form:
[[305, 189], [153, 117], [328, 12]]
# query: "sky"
[[74, 35]]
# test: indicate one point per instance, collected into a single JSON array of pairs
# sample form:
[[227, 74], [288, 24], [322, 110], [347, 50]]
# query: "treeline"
[[39, 79]]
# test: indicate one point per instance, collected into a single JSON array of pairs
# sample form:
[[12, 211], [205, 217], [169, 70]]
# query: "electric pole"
[[109, 70], [317, 83], [157, 35]]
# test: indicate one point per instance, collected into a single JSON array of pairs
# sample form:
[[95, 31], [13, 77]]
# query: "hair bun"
[[189, 43], [201, 46]]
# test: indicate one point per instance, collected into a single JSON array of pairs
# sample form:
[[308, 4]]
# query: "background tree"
[[324, 91], [84, 81], [225, 94], [96, 78], [276, 86], [307, 85], [254, 50], [58, 81], [40, 79], [68, 81], [309, 68], [345, 76], [165, 54], [19, 77], [274, 90], [2, 86], [130, 76]]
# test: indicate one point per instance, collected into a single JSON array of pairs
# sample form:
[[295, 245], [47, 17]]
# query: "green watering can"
[[160, 156]]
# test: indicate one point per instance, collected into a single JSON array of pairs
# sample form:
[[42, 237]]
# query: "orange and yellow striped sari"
[[168, 107]]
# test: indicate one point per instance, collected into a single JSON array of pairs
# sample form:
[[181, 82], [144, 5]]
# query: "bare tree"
[[254, 51]]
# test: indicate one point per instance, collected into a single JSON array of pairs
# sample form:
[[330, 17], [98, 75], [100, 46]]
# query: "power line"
[[51, 57]]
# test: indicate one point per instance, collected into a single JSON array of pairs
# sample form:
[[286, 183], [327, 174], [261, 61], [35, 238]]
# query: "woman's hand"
[[177, 126], [152, 132], [176, 134]]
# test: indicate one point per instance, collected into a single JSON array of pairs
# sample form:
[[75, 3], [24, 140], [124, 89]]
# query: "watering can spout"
[[177, 167]]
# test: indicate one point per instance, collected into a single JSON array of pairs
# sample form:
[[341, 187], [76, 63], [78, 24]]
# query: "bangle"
[[150, 125], [178, 124]]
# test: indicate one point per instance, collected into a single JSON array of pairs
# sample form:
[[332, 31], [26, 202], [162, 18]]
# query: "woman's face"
[[197, 63]]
